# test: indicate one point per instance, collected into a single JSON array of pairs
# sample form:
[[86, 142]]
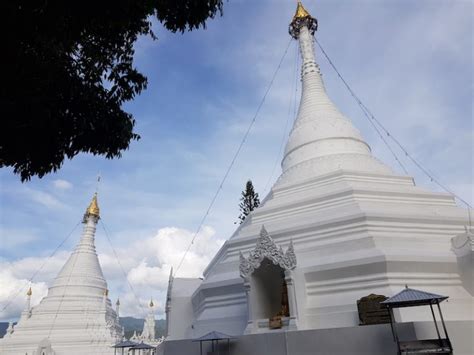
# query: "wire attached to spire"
[[371, 118], [234, 158], [101, 221], [76, 256], [291, 113], [363, 108], [38, 270], [98, 182]]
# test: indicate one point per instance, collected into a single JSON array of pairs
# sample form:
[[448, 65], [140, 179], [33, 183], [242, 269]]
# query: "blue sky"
[[409, 61]]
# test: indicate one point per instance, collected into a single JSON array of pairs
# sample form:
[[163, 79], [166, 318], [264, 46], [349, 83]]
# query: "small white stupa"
[[148, 334], [76, 316]]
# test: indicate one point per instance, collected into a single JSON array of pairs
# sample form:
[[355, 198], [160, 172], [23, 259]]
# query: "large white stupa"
[[338, 225], [76, 316]]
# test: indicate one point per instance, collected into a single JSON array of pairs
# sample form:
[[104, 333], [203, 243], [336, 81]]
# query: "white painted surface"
[[463, 247], [180, 308], [76, 316], [322, 138], [357, 228]]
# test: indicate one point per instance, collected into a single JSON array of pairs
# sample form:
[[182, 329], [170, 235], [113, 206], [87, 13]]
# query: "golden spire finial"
[[30, 292], [301, 11], [302, 18], [151, 303], [93, 209]]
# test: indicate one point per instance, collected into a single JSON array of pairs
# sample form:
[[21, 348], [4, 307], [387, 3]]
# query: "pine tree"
[[248, 201]]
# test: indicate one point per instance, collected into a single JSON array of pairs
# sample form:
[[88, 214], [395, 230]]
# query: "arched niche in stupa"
[[269, 285], [268, 291]]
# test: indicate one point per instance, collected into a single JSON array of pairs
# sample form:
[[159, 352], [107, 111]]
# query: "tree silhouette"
[[67, 69], [248, 201]]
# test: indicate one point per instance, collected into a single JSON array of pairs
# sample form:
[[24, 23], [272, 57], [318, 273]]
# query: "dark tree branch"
[[68, 69]]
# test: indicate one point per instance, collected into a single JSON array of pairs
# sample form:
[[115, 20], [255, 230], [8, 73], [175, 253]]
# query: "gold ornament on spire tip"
[[93, 209], [151, 303], [302, 18], [301, 12], [30, 292]]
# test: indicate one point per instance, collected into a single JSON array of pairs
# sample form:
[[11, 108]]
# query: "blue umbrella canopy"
[[411, 297]]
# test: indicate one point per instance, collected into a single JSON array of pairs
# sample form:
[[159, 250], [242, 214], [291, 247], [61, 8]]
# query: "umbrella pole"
[[394, 327], [436, 325], [442, 321]]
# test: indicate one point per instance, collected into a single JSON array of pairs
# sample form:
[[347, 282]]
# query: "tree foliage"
[[67, 71], [248, 201]]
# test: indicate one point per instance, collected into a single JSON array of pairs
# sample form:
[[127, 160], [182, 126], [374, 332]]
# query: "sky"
[[409, 61]]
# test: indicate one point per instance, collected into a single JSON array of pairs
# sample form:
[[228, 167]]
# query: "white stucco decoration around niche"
[[266, 248]]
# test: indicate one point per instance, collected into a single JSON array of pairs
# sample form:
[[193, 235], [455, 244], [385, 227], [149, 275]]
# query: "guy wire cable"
[[41, 267], [236, 154], [370, 116]]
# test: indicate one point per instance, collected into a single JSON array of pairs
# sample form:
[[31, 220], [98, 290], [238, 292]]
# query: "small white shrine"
[[148, 333], [76, 316], [338, 225]]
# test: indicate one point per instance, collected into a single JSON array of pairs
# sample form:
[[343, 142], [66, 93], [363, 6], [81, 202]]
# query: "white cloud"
[[146, 275], [13, 291], [166, 249], [146, 264], [15, 237], [43, 198], [156, 255], [44, 268], [61, 184], [14, 281]]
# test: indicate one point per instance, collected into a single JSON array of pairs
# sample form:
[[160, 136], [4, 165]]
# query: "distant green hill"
[[130, 325]]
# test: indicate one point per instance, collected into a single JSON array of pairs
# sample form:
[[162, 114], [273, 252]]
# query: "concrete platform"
[[363, 340]]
